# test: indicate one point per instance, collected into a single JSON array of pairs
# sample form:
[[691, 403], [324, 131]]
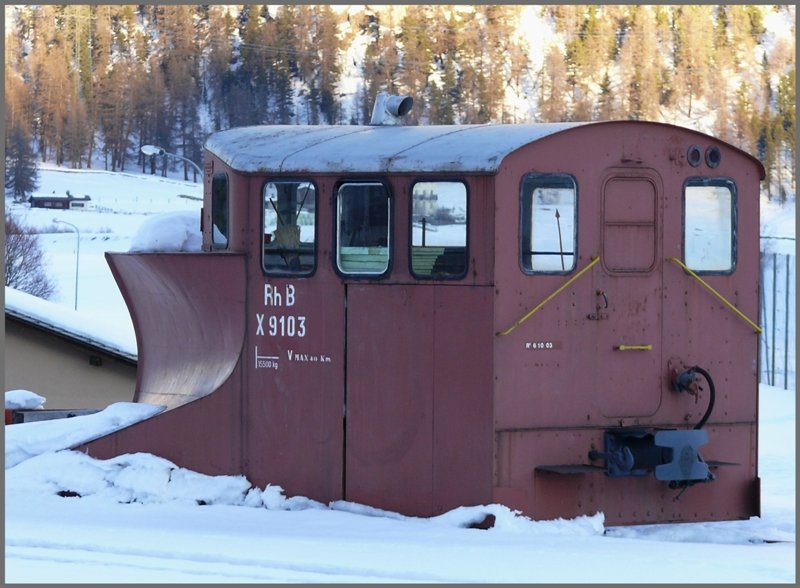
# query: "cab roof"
[[386, 149], [379, 149]]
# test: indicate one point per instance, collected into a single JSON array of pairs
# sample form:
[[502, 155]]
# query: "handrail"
[[719, 296], [594, 258]]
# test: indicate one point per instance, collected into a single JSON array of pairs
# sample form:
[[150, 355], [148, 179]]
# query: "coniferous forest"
[[87, 85]]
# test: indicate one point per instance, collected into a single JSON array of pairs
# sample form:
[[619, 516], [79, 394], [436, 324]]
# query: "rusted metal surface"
[[399, 392]]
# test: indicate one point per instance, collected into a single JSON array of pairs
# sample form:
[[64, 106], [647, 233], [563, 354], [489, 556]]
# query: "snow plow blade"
[[188, 314]]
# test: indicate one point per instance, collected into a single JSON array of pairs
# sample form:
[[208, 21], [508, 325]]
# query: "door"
[[418, 403], [389, 397], [629, 294]]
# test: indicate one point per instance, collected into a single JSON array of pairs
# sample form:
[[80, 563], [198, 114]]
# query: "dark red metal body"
[[401, 394]]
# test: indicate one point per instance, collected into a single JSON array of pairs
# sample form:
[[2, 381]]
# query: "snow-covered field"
[[141, 519], [122, 202]]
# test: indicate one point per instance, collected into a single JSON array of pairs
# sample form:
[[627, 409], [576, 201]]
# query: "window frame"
[[439, 276], [716, 181], [349, 275], [314, 251], [522, 246]]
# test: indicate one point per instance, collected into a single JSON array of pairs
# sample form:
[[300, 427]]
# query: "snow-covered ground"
[[141, 519]]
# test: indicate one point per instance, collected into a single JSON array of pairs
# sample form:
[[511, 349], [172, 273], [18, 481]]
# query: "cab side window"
[[219, 211], [289, 228], [439, 230], [548, 223], [709, 224]]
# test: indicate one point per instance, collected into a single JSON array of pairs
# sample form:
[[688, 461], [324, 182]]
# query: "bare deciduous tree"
[[24, 263]]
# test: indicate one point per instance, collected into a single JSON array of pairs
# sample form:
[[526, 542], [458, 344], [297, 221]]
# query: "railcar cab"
[[500, 310], [555, 317]]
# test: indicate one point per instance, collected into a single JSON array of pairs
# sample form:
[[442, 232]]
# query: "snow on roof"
[[385, 149], [83, 326], [374, 149], [54, 196]]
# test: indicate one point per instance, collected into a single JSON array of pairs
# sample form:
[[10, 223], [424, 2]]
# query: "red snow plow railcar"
[[556, 317]]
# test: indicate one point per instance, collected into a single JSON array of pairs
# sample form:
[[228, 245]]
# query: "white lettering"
[[266, 361], [289, 295], [271, 296], [286, 326], [260, 327]]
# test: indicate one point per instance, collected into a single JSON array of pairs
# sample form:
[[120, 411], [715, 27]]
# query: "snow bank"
[[24, 399], [147, 479], [168, 232], [505, 519], [27, 440], [38, 461], [139, 477]]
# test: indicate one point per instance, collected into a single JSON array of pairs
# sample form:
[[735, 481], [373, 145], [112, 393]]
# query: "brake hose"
[[711, 395]]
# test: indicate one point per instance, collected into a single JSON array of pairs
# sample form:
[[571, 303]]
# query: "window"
[[548, 236], [362, 228], [439, 230], [219, 211], [709, 224], [290, 227]]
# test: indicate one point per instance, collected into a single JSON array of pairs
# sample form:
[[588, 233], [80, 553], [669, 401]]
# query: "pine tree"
[[329, 72], [417, 58], [605, 107], [553, 87], [50, 75], [444, 91], [21, 173], [285, 64], [220, 56], [179, 58], [693, 48], [641, 77]]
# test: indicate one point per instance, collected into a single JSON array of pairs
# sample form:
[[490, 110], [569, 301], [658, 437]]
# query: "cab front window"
[[709, 224], [289, 235]]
